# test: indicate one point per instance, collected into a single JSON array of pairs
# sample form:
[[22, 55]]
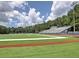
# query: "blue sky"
[[43, 6], [27, 13]]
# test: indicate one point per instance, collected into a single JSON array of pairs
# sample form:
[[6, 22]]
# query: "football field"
[[38, 45]]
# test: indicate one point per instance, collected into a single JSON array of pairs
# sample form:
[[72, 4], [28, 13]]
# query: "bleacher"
[[56, 29]]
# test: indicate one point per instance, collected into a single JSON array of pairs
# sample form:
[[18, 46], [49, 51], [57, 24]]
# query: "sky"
[[27, 13]]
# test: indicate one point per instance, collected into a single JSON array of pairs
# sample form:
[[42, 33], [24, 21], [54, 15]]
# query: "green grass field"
[[19, 36], [51, 51], [65, 50]]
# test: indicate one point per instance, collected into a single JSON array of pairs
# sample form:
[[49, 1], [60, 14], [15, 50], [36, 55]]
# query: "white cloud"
[[32, 12], [5, 6], [42, 17], [59, 8], [32, 18], [24, 13], [16, 3], [9, 15], [6, 10], [35, 16], [4, 24], [38, 13]]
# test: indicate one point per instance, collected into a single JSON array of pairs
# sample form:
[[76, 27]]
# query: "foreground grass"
[[51, 51]]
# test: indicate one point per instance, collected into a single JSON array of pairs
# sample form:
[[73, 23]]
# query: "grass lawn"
[[61, 50], [19, 36], [51, 51], [34, 41]]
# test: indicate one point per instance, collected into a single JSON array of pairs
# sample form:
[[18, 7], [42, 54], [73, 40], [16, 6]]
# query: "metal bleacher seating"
[[56, 29]]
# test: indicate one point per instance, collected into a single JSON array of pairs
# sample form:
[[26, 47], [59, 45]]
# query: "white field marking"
[[32, 39]]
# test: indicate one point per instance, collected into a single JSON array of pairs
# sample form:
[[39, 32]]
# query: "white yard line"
[[32, 39]]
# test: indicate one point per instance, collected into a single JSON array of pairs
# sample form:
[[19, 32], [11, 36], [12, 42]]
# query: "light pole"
[[73, 20], [73, 4]]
